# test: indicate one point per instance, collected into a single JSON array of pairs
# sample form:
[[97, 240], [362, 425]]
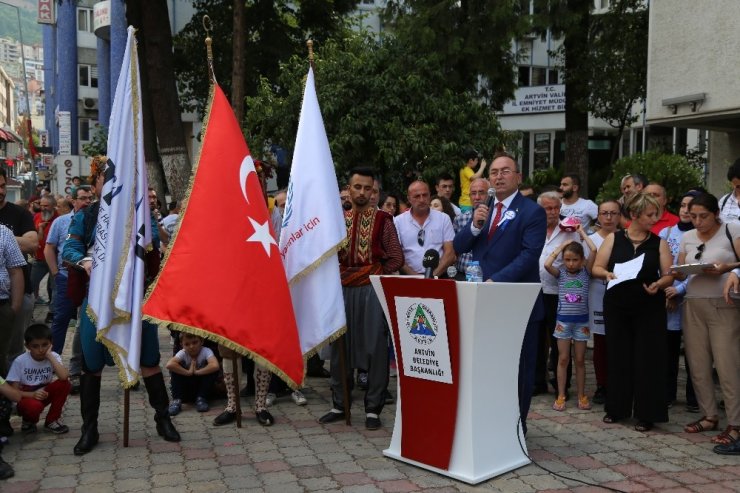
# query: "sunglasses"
[[420, 237], [700, 249]]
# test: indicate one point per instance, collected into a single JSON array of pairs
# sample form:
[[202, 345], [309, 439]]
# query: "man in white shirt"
[[573, 205], [420, 229], [729, 204]]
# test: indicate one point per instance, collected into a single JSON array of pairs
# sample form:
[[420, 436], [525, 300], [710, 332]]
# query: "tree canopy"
[[382, 105], [275, 31]]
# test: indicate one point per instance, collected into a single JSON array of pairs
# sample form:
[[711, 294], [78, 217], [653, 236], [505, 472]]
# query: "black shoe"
[[74, 380], [6, 471], [599, 396], [331, 417], [5, 429], [692, 408], [728, 449], [372, 423], [160, 402], [265, 418], [49, 318], [224, 418], [165, 428], [643, 426], [89, 406], [362, 380]]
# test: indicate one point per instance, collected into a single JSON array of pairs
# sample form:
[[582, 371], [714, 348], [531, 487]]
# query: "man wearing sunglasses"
[[420, 229]]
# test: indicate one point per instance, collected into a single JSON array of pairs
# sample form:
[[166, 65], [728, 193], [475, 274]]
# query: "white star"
[[262, 235]]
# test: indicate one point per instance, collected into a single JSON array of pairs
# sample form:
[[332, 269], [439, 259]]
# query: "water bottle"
[[473, 273]]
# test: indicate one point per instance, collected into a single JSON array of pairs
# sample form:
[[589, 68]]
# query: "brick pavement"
[[298, 454]]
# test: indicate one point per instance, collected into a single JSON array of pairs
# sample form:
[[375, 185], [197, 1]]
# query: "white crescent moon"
[[246, 167]]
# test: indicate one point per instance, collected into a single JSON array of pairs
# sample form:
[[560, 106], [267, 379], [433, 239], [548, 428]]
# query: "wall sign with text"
[[537, 99]]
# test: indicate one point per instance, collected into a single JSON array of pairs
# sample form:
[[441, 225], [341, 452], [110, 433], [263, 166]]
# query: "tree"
[[618, 64], [468, 40], [273, 30], [569, 19], [382, 106], [158, 84]]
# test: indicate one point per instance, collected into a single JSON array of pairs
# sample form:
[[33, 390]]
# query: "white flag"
[[123, 233], [313, 229]]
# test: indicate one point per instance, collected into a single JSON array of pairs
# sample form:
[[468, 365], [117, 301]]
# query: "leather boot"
[[89, 406], [160, 401]]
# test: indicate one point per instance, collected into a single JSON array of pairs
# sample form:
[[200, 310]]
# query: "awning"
[[7, 135]]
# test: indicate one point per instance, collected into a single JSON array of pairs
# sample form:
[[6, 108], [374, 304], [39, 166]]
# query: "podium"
[[458, 418]]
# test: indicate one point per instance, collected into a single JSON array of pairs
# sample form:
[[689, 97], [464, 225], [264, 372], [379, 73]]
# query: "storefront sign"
[[538, 99], [46, 12], [65, 132]]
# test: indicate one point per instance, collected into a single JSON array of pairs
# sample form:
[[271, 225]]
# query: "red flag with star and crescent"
[[222, 277]]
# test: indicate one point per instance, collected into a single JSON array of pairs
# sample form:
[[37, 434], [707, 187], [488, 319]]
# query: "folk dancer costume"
[[373, 248], [95, 355]]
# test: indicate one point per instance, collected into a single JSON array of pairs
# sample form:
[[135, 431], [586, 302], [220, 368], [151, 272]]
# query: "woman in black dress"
[[635, 318]]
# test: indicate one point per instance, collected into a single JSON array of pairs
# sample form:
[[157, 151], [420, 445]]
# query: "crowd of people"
[[607, 270]]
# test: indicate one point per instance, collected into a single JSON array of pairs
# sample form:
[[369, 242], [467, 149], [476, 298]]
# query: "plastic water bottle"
[[473, 273]]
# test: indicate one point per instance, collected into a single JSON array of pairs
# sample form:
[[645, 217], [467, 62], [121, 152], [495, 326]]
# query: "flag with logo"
[[313, 230], [222, 277], [123, 233]]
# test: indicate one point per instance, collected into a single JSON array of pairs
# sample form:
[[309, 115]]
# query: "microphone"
[[430, 262], [489, 203]]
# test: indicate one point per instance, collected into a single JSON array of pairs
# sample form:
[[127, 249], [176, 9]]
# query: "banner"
[[222, 277], [123, 233], [313, 230]]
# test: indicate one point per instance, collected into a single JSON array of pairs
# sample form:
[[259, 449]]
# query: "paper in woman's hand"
[[626, 271], [689, 269]]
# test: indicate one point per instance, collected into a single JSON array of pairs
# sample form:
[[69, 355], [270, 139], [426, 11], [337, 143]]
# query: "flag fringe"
[[316, 263], [116, 353], [333, 337], [257, 358]]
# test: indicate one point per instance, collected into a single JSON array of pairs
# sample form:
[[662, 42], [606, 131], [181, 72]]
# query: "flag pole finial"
[[309, 44], [208, 28]]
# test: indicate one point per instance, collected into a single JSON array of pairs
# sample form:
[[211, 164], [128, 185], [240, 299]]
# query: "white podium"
[[487, 440]]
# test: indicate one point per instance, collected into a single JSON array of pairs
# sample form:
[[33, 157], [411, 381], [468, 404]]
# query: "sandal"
[[608, 418], [698, 425], [643, 426], [726, 437]]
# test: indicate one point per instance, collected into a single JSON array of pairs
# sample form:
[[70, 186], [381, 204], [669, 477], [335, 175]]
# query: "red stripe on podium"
[[429, 408]]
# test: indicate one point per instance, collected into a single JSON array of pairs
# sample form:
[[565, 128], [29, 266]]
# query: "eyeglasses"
[[608, 213], [503, 172], [420, 237], [700, 248]]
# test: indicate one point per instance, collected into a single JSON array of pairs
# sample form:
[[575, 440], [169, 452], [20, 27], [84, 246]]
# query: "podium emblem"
[[421, 323]]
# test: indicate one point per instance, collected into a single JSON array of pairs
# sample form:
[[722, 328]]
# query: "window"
[[524, 80], [86, 127], [85, 20], [88, 75], [537, 76]]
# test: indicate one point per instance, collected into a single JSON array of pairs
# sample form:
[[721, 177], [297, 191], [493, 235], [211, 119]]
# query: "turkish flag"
[[223, 278]]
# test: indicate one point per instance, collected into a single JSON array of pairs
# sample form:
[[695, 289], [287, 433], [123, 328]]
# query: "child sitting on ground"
[[8, 395], [193, 371], [33, 374], [572, 316]]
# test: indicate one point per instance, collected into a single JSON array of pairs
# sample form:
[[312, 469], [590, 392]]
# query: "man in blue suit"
[[507, 240]]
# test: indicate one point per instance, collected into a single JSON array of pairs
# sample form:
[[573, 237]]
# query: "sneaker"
[[27, 427], [372, 423], [56, 427], [270, 399], [265, 418], [175, 407], [41, 301], [599, 396], [298, 398], [583, 403], [201, 405], [559, 404]]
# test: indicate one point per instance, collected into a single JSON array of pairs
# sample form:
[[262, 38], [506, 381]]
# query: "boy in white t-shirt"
[[193, 372], [33, 374]]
